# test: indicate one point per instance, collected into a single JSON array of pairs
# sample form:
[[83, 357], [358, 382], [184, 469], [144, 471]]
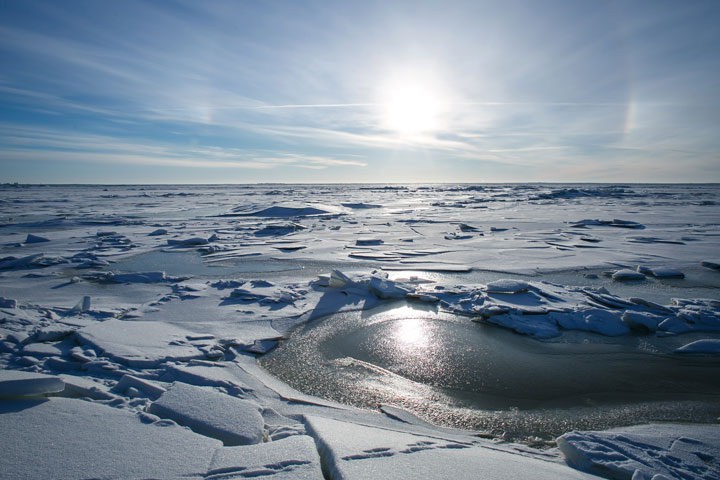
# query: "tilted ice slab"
[[355, 451], [140, 344], [64, 438], [292, 458], [16, 383], [646, 452], [208, 412]]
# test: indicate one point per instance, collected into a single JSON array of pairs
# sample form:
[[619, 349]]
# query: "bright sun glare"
[[410, 108]]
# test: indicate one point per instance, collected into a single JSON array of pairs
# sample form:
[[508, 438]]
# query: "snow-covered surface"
[[353, 450], [204, 410], [646, 452], [142, 299]]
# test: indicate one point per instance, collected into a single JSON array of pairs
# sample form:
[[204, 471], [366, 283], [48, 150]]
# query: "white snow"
[[143, 299], [64, 438], [646, 452], [208, 412], [139, 344], [291, 458], [358, 451]]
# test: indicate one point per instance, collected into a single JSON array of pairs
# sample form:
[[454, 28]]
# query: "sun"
[[410, 108]]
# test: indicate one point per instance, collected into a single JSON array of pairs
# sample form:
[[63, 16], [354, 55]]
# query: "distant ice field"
[[521, 310]]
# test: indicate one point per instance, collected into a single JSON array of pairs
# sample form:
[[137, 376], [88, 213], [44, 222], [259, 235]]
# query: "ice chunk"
[[368, 241], [665, 272], [361, 205], [159, 231], [139, 344], [645, 452], [16, 383], [140, 277], [706, 345], [19, 262], [83, 305], [538, 326], [76, 386], [228, 377], [188, 242], [507, 285], [149, 388], [8, 302], [642, 320], [351, 450], [595, 320], [65, 438], [35, 239], [279, 230], [715, 265], [387, 289], [338, 279], [627, 274], [208, 412], [291, 458]]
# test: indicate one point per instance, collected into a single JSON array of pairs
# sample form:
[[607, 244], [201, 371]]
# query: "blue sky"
[[296, 91]]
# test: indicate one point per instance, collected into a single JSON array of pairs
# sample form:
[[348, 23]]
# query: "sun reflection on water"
[[411, 332]]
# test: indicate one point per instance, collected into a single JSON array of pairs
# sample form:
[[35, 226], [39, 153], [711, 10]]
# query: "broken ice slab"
[[16, 383], [209, 412], [368, 241], [65, 438], [291, 458], [35, 239], [715, 265], [627, 274], [507, 285], [351, 450], [139, 343], [188, 242], [665, 272]]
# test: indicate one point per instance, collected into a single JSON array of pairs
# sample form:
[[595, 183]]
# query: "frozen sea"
[[360, 331]]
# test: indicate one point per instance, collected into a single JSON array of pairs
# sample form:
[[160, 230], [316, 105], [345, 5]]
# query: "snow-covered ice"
[[646, 452], [132, 319], [14, 383], [232, 420]]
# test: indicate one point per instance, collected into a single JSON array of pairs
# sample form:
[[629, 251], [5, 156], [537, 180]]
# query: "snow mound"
[[16, 383], [208, 412], [646, 452]]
